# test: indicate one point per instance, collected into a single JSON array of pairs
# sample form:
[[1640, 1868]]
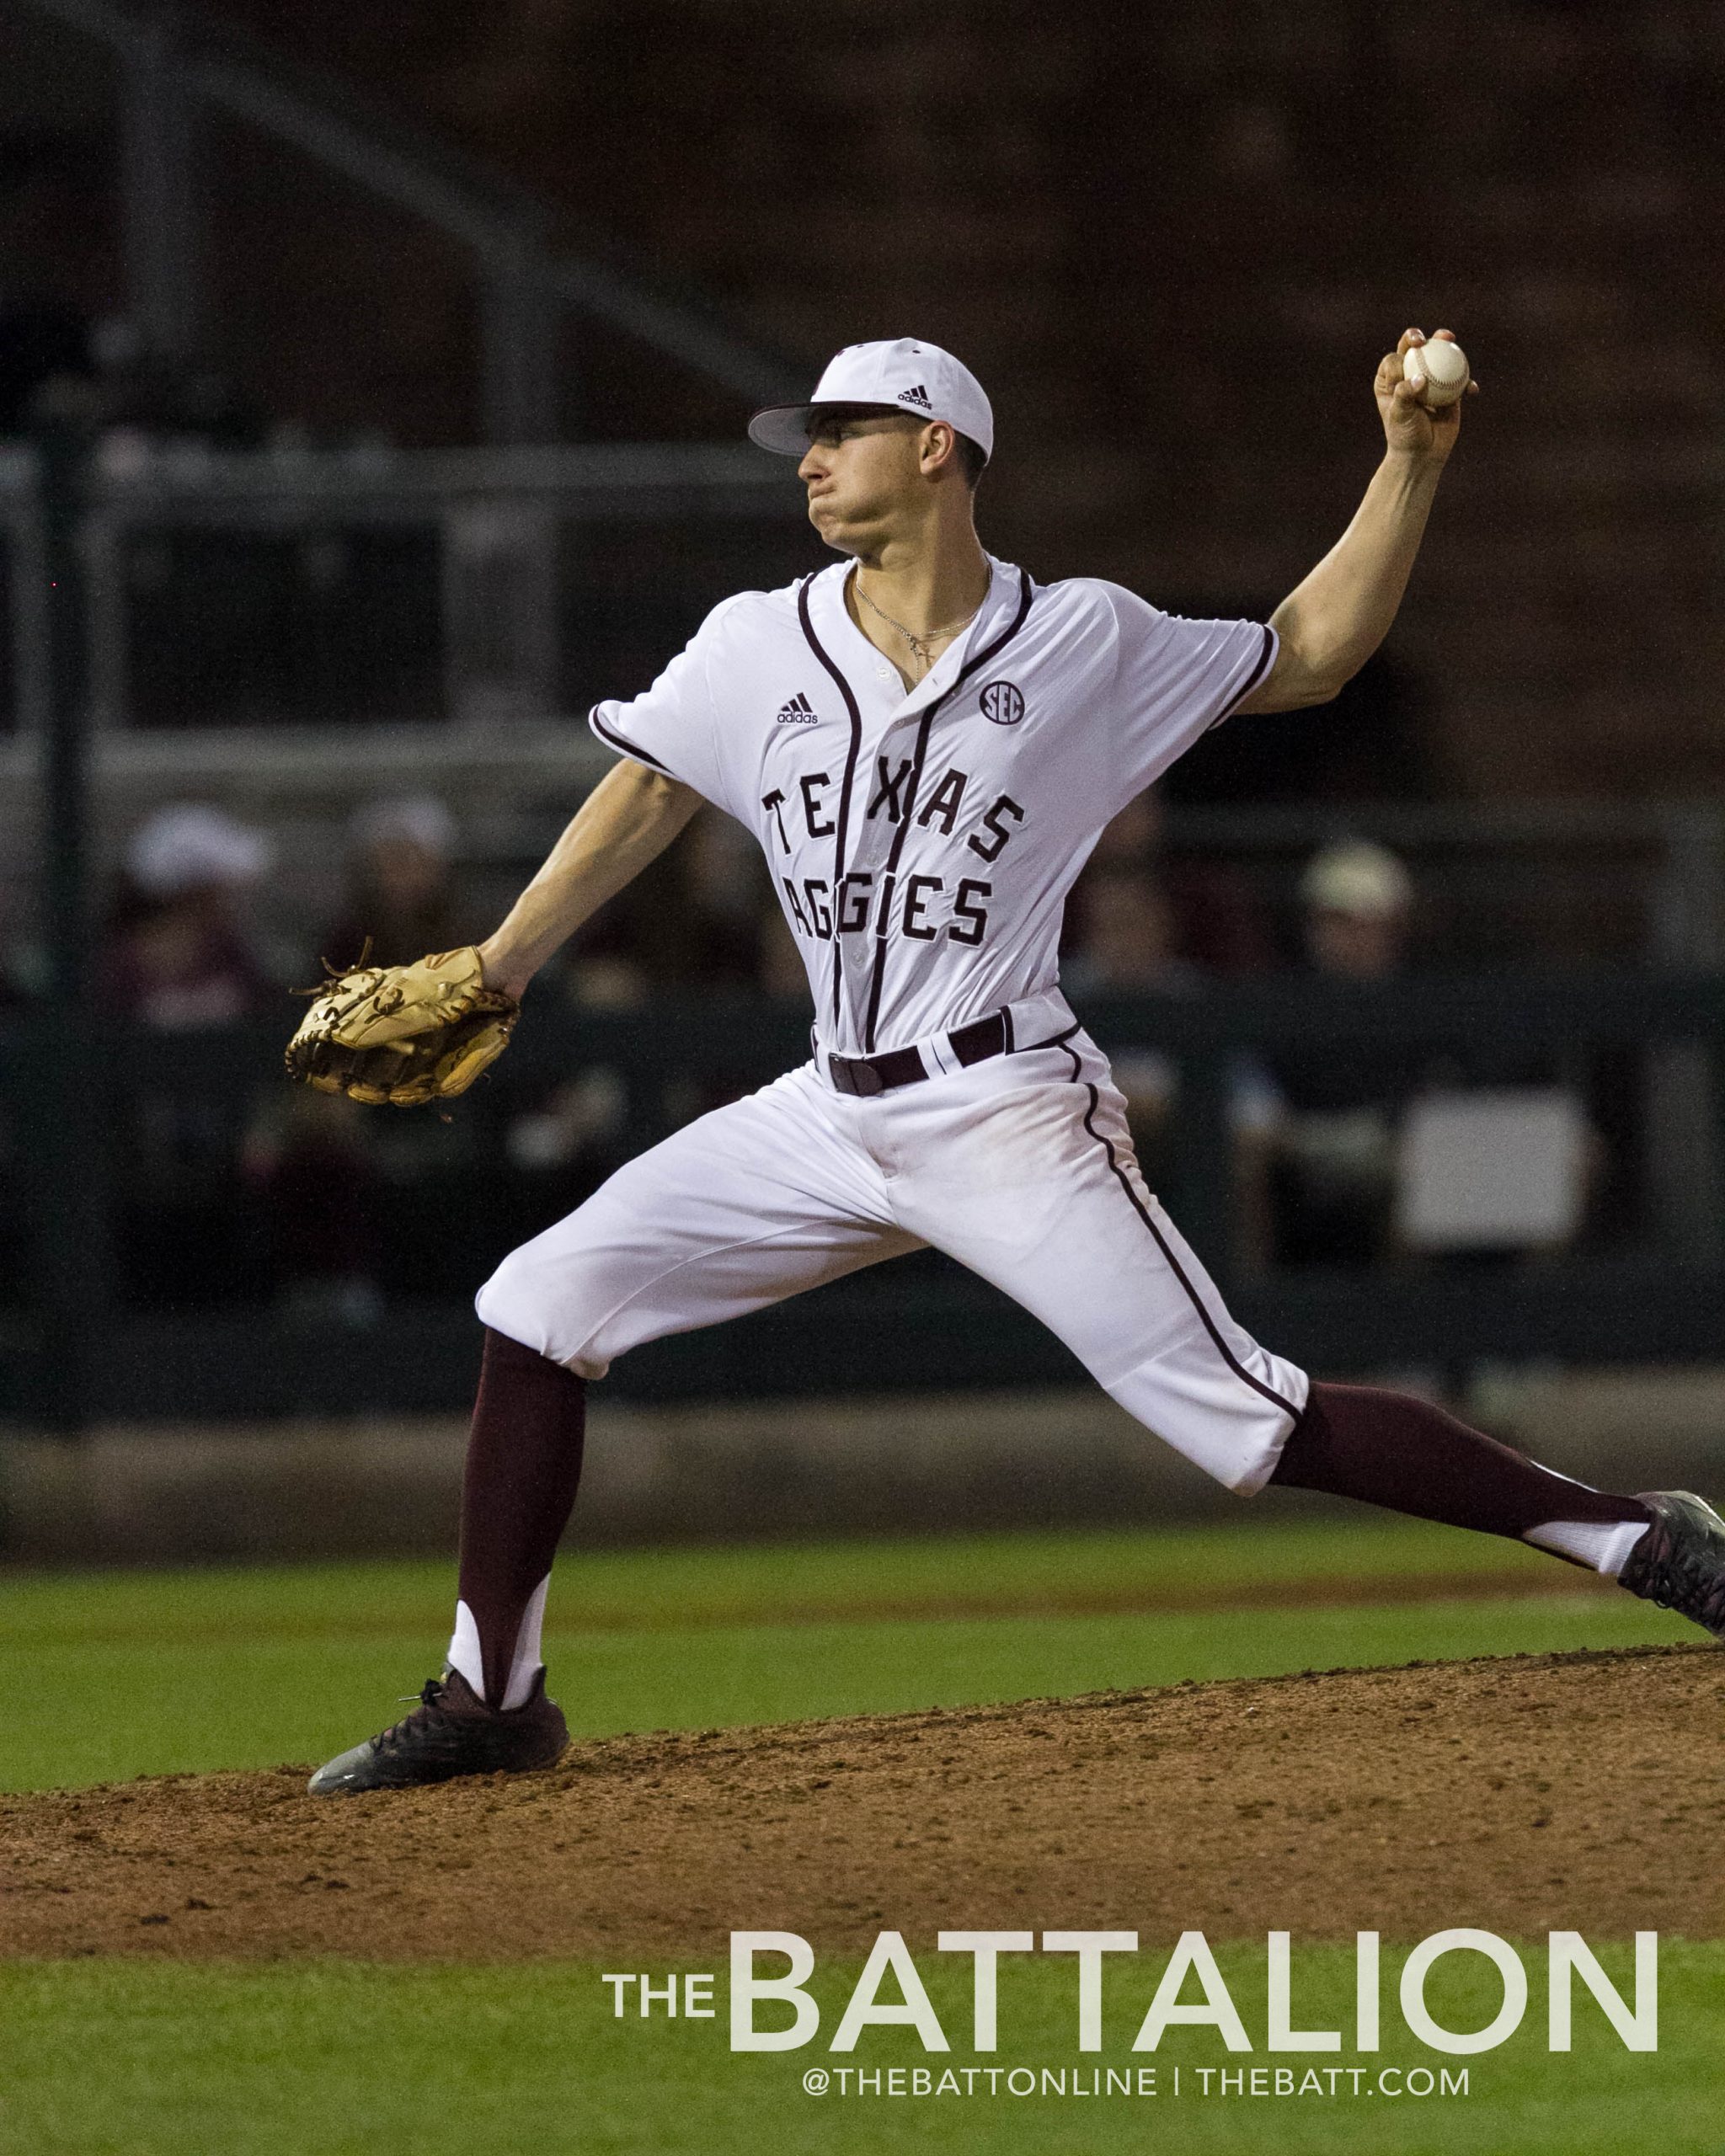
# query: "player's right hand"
[[1411, 427]]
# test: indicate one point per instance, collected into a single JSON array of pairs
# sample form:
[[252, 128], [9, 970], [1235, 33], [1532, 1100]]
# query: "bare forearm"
[[1333, 621], [628, 821], [1330, 624]]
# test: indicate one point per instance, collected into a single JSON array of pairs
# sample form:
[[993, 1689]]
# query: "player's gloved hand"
[[404, 1034]]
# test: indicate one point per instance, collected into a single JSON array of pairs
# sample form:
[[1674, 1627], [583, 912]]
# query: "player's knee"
[[505, 1305], [540, 1307], [515, 1301]]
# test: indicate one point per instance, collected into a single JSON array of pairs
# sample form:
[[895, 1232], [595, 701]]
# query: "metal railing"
[[174, 64], [486, 577]]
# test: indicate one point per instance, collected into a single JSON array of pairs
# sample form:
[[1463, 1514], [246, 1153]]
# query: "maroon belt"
[[868, 1075]]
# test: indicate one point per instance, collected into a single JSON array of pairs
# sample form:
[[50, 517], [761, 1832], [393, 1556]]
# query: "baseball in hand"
[[1440, 367]]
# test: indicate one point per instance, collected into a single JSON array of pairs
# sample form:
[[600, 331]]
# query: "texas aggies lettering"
[[809, 910], [924, 817], [922, 842]]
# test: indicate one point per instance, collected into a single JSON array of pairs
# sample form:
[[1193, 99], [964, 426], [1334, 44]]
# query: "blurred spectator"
[[1130, 939], [166, 403], [725, 901], [336, 1182], [579, 1124], [605, 980], [1129, 949], [1358, 900], [306, 1160], [701, 920], [1131, 841], [1318, 1127], [1381, 1149], [693, 922], [177, 954], [401, 891], [1215, 921], [57, 364]]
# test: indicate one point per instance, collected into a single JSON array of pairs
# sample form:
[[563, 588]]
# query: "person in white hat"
[[193, 846], [1318, 1129], [178, 954], [1358, 903], [927, 743], [402, 895]]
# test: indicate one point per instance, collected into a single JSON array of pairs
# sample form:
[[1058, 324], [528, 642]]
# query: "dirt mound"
[[1582, 1790]]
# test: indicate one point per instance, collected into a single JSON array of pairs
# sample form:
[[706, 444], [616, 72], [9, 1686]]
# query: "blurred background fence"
[[199, 1321]]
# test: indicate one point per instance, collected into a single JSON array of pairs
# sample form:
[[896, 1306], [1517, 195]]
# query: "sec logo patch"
[[1002, 703]]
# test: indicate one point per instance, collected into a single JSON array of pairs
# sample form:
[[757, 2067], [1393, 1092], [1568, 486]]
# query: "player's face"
[[863, 474]]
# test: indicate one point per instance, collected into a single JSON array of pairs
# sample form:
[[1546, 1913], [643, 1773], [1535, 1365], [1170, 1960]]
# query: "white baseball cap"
[[1355, 877], [899, 373], [191, 844], [420, 817]]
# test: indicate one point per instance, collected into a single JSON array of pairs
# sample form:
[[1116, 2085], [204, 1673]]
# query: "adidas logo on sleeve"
[[799, 712]]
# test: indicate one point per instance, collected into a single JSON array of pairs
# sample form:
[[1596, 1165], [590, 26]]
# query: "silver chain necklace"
[[921, 647]]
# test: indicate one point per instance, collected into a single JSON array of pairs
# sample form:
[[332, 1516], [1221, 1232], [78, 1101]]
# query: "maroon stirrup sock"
[[1388, 1448], [518, 1490]]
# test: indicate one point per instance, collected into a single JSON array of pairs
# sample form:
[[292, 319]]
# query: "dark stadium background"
[[371, 382]]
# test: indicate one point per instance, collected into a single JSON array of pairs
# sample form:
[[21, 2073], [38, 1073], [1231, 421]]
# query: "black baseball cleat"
[[451, 1732], [1679, 1562]]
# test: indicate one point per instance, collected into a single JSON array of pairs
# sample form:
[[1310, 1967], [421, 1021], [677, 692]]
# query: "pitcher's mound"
[[1577, 1791]]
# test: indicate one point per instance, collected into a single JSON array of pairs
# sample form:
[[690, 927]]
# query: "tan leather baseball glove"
[[404, 1034]]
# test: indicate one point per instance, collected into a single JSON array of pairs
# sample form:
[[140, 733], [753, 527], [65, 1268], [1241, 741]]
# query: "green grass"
[[120, 1674], [759, 1583], [136, 1673], [476, 2062]]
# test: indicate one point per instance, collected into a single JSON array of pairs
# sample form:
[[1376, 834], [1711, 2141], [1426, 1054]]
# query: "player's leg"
[[741, 1208], [1667, 1546], [1391, 1450], [754, 1202], [1016, 1170], [1034, 1185]]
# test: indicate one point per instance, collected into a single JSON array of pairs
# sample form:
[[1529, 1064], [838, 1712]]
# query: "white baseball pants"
[[1020, 1168]]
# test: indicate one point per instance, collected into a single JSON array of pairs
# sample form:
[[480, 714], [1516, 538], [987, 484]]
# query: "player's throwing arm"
[[1337, 618]]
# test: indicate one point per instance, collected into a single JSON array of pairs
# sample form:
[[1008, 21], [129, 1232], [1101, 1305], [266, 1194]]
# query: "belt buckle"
[[854, 1074]]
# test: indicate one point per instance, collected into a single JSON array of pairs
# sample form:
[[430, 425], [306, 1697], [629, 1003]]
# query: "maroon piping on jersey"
[[627, 748], [981, 659], [1258, 672], [1174, 1265], [844, 817], [1026, 591], [889, 877]]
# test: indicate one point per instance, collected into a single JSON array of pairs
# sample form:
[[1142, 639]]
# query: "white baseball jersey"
[[922, 845]]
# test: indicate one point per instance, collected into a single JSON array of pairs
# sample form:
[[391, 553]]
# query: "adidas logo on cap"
[[911, 377], [799, 712]]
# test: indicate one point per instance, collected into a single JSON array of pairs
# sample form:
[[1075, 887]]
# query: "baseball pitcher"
[[927, 743]]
